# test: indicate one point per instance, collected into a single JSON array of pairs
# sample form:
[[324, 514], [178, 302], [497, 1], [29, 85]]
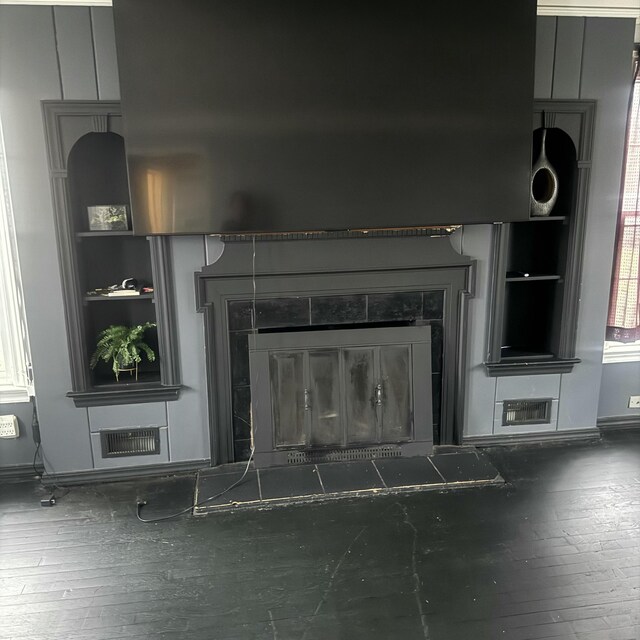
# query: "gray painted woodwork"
[[187, 416], [65, 123], [332, 267], [578, 118], [104, 43], [619, 381], [130, 461], [545, 56], [606, 77], [568, 57], [285, 411], [128, 415], [75, 52], [29, 72]]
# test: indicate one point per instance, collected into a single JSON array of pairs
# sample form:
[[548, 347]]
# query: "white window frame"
[[621, 352], [16, 381]]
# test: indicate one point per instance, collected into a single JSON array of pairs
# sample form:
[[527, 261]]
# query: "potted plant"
[[123, 347]]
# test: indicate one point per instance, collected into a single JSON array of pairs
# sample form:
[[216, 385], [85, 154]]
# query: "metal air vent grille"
[[130, 442], [526, 412], [336, 455]]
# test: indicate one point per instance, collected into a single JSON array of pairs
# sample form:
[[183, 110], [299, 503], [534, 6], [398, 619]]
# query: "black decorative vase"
[[544, 183]]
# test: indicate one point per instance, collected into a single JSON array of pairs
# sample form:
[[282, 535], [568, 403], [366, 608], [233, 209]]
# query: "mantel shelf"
[[125, 393]]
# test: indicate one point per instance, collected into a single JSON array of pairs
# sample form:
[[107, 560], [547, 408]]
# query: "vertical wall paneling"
[[29, 73], [105, 53], [188, 417], [480, 389], [568, 58], [545, 55], [75, 50], [606, 77]]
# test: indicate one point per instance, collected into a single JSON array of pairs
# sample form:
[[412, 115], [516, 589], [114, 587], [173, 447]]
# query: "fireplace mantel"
[[336, 267]]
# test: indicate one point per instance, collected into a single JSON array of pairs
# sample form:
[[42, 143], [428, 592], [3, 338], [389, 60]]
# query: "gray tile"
[[464, 467], [349, 476], [406, 472], [289, 482], [211, 484]]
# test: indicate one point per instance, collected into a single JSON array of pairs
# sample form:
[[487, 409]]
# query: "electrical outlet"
[[634, 402], [9, 427]]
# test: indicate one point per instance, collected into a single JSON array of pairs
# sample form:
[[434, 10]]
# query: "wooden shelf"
[[102, 234], [142, 296], [546, 218], [532, 278]]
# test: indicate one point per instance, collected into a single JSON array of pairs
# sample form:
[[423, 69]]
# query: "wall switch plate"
[[634, 402], [9, 427]]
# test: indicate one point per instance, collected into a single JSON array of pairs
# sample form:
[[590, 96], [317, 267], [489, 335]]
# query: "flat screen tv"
[[251, 116]]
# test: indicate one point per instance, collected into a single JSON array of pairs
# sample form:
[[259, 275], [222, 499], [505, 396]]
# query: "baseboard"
[[122, 474], [17, 472], [613, 423], [592, 433]]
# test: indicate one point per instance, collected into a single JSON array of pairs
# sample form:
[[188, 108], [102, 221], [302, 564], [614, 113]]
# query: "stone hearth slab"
[[295, 484]]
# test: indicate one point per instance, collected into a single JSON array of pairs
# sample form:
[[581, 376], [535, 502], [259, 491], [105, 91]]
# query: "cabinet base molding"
[[614, 423], [126, 473], [592, 433]]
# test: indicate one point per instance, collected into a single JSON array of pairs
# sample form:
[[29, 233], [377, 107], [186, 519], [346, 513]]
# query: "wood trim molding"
[[532, 438], [612, 423]]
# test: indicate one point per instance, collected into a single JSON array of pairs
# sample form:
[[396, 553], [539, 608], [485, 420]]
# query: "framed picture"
[[108, 217]]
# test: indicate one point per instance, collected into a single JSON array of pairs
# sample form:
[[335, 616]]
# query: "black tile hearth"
[[349, 476], [212, 482], [332, 480], [407, 472], [289, 482], [464, 467]]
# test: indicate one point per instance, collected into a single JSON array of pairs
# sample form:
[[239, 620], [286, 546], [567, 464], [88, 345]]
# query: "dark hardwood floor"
[[553, 554]]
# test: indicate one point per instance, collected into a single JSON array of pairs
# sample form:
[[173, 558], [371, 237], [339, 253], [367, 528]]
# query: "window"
[[623, 323], [15, 370]]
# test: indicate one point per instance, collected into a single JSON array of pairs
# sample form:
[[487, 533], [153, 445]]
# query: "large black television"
[[305, 115]]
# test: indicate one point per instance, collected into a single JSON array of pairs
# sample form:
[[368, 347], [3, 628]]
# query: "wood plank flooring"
[[555, 553]]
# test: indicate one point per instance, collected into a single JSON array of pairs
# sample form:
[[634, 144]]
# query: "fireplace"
[[319, 296]]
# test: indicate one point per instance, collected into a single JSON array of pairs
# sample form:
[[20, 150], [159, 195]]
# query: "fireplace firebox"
[[306, 290]]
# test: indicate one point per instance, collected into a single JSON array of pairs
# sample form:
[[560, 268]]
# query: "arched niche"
[[96, 174]]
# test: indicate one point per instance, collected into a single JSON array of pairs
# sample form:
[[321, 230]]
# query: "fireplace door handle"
[[378, 395], [307, 400]]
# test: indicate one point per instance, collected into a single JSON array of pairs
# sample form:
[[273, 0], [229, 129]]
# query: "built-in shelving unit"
[[536, 264], [88, 167]]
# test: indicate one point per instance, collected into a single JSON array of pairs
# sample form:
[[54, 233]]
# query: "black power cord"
[[141, 503]]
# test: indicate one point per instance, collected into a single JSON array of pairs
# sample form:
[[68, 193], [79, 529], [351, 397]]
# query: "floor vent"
[[338, 455], [526, 412], [130, 442]]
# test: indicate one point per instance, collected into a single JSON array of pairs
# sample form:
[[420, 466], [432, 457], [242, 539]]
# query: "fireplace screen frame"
[[302, 345]]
